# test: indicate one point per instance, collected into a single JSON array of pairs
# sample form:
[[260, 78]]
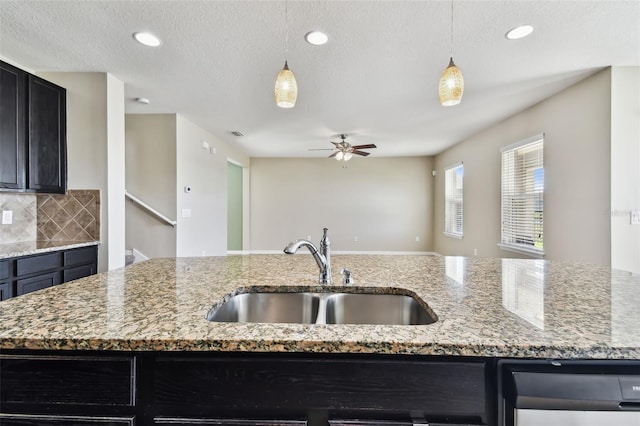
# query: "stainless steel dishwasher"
[[568, 393]]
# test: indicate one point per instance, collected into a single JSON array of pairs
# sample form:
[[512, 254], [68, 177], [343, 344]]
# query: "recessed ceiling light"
[[142, 101], [317, 38], [519, 32], [147, 39]]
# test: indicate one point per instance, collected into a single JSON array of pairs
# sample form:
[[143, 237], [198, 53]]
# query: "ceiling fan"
[[344, 150]]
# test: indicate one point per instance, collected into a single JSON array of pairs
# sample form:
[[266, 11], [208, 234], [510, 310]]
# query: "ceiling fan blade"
[[364, 154], [334, 154], [369, 146]]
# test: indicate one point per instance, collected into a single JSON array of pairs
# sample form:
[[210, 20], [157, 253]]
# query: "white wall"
[[577, 127], [385, 202], [115, 171], [625, 167], [93, 103], [205, 232], [151, 176]]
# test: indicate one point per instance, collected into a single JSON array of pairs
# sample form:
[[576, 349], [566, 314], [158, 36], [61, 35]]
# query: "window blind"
[[523, 196], [453, 189]]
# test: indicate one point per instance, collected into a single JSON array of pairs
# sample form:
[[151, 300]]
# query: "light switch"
[[7, 217], [186, 212], [635, 217]]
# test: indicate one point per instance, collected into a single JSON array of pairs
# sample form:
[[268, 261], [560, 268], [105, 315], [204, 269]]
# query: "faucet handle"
[[347, 279]]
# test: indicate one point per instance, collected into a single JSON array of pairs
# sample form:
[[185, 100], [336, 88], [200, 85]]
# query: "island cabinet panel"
[[342, 387], [47, 381], [35, 420]]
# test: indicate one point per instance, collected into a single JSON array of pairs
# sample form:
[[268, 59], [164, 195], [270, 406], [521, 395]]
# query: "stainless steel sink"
[[392, 309], [331, 307], [299, 308]]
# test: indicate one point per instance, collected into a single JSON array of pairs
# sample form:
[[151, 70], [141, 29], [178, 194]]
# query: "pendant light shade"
[[286, 91], [451, 85]]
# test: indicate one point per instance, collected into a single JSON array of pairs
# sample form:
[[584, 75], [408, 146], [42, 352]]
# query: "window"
[[453, 177], [523, 196]]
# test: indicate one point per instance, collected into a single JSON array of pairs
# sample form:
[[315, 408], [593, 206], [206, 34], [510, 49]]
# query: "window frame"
[[456, 199], [524, 222]]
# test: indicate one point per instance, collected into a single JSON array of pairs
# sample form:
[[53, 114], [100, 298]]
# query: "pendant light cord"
[[451, 43], [286, 25]]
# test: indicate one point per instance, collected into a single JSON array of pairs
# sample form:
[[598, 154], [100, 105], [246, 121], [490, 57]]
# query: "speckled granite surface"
[[25, 248], [485, 307]]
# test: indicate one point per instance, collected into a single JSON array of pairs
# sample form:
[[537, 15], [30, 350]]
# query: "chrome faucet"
[[322, 256]]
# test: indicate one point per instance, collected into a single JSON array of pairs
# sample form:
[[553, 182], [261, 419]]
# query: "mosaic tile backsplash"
[[24, 224], [74, 216]]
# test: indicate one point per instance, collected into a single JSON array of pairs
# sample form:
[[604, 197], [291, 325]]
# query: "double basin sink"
[[307, 307]]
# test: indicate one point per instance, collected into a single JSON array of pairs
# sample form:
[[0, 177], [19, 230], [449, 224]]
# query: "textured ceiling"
[[376, 79]]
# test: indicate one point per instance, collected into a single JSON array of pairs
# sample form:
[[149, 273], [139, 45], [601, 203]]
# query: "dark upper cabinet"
[[33, 154], [13, 129]]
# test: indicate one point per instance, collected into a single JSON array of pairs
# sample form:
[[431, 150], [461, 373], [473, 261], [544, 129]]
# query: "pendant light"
[[286, 91], [451, 83]]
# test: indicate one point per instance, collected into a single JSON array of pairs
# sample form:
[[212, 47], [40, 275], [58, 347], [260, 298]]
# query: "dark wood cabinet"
[[13, 129], [22, 275], [245, 389], [47, 136], [44, 420], [32, 133]]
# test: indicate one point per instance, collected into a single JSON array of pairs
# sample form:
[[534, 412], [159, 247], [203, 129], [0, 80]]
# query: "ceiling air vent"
[[235, 133]]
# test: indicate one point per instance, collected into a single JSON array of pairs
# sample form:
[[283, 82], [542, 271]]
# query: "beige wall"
[[625, 167], [89, 128], [385, 202], [205, 232], [151, 176], [577, 128]]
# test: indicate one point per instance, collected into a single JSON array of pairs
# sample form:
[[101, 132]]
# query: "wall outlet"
[[186, 212], [635, 217], [7, 217], [355, 239], [417, 239]]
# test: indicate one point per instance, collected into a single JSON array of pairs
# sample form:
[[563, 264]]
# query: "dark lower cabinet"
[[37, 283], [161, 388], [31, 420], [22, 275]]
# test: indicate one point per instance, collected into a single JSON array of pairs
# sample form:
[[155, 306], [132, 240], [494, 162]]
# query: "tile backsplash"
[[74, 216], [24, 225]]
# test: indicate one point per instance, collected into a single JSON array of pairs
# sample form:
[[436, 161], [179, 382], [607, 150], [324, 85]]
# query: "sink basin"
[[391, 309], [326, 307], [301, 308]]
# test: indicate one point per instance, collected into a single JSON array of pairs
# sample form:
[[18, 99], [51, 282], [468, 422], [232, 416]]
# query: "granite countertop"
[[25, 248], [485, 307]]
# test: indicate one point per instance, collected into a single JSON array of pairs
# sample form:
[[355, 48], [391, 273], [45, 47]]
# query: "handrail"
[[150, 209]]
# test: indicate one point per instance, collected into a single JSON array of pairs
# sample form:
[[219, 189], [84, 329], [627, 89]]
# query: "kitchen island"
[[148, 320]]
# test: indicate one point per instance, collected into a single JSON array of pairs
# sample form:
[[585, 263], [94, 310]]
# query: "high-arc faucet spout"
[[322, 256]]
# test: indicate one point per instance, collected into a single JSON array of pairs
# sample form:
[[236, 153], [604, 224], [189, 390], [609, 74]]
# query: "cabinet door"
[[5, 291], [78, 272], [37, 283], [12, 127], [47, 137]]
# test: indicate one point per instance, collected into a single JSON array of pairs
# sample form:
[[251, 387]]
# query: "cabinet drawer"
[[4, 269], [78, 272], [70, 380], [35, 264], [5, 291], [227, 422], [80, 256], [36, 283], [38, 420], [295, 385]]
